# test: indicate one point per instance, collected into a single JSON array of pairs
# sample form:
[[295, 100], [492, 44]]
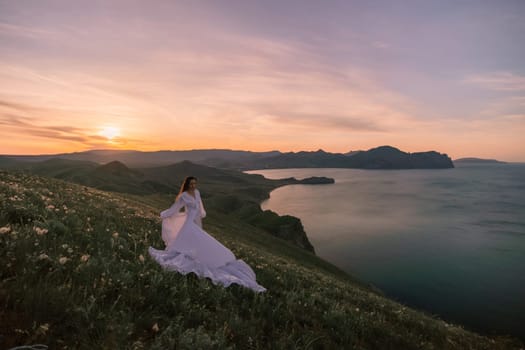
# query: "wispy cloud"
[[15, 30], [17, 106], [30, 127], [319, 121], [502, 81], [52, 132], [287, 83], [380, 45], [62, 132]]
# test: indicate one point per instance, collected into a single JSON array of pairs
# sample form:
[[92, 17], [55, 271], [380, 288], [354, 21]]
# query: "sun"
[[109, 132]]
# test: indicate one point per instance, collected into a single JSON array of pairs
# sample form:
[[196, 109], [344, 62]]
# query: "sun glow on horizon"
[[109, 132]]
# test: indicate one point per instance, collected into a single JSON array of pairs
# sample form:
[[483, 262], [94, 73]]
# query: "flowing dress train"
[[191, 249]]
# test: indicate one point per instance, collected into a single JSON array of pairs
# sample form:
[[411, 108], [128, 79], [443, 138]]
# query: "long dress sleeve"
[[202, 211], [175, 208], [172, 220]]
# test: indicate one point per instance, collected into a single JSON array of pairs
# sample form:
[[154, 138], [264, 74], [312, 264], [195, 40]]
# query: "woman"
[[190, 249]]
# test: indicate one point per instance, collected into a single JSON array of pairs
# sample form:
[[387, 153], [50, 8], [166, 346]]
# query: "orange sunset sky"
[[263, 75]]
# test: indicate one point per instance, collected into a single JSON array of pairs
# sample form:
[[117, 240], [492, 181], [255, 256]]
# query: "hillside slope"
[[228, 191], [75, 274]]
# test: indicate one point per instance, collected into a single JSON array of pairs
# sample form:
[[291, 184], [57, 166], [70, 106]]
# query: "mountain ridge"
[[382, 157], [472, 160]]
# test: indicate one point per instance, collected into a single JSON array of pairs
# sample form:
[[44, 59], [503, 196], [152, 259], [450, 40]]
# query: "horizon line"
[[239, 150]]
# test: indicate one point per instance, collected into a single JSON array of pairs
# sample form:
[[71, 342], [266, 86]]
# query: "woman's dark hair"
[[186, 184]]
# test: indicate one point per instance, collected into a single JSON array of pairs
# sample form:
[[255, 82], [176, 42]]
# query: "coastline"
[[477, 326]]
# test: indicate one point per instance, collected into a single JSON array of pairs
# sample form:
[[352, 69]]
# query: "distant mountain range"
[[478, 160], [384, 157]]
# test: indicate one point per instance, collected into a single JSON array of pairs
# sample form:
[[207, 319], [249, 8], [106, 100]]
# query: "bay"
[[450, 242]]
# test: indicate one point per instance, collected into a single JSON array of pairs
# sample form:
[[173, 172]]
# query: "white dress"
[[190, 249]]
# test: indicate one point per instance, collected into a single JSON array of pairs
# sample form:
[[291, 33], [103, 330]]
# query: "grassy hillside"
[[230, 192], [75, 275]]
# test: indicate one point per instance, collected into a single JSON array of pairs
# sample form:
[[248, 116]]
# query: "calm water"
[[451, 242]]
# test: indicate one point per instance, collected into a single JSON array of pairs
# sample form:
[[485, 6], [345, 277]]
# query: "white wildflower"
[[40, 231], [42, 330]]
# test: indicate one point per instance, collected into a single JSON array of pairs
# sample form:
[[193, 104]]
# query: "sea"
[[450, 242]]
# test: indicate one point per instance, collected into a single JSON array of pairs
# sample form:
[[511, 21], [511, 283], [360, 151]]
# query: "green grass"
[[227, 191], [87, 283]]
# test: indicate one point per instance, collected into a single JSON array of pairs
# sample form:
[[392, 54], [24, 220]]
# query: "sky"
[[287, 75]]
